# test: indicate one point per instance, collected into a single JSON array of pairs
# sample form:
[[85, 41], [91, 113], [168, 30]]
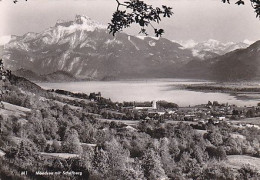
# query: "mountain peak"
[[81, 22], [213, 41], [82, 19], [4, 40]]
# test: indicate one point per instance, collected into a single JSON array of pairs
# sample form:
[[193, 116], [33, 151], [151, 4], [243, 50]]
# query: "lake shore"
[[223, 88]]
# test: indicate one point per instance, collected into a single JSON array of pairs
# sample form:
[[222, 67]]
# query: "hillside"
[[242, 64], [58, 76]]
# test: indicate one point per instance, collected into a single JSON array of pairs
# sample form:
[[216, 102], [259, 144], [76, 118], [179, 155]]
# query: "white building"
[[154, 106]]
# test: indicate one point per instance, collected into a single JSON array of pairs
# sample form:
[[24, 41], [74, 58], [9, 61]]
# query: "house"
[[171, 112], [221, 118], [95, 96]]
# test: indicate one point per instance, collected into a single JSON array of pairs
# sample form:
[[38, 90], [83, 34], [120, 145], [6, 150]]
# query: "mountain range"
[[212, 48], [215, 46], [83, 49], [238, 65]]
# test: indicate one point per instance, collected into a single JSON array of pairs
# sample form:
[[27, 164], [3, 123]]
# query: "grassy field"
[[60, 155], [8, 113], [255, 121], [238, 161], [10, 109], [127, 122], [186, 122], [13, 107], [237, 136]]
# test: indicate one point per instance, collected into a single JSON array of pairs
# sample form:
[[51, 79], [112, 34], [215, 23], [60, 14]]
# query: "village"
[[167, 111]]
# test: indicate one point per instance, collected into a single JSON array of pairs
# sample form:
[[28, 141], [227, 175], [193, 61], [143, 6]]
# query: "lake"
[[151, 89]]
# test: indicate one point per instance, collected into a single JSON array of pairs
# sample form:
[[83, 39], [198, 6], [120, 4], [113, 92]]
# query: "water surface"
[[152, 89]]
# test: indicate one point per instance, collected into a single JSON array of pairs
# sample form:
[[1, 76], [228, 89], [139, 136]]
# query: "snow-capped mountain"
[[85, 49], [214, 46], [4, 40]]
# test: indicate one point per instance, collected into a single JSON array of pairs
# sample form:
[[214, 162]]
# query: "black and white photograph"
[[129, 89]]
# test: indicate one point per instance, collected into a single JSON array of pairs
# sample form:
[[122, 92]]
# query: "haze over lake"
[[152, 89]]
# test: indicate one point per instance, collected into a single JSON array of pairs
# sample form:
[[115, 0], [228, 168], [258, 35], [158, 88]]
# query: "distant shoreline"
[[223, 88]]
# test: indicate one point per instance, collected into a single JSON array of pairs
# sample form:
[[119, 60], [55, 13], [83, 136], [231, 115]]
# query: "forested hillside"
[[47, 132]]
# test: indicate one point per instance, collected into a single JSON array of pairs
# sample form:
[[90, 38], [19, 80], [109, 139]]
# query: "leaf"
[[141, 22], [240, 2], [224, 1], [158, 33]]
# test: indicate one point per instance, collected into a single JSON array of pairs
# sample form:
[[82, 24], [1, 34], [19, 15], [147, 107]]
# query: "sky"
[[199, 20]]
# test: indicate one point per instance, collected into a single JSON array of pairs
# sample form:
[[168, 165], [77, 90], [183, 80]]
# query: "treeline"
[[68, 93], [220, 88]]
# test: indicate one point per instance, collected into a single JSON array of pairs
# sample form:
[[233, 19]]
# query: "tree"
[[3, 72], [1, 68], [22, 152], [50, 128], [214, 137], [166, 158], [250, 113], [71, 143], [248, 172], [217, 153], [140, 13], [117, 158], [153, 168], [100, 163], [56, 146], [214, 171], [11, 153], [57, 165]]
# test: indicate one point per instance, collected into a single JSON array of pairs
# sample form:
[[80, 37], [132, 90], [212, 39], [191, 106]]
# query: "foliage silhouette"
[[254, 3]]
